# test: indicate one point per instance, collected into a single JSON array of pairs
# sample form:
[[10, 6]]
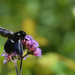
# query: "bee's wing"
[[5, 32]]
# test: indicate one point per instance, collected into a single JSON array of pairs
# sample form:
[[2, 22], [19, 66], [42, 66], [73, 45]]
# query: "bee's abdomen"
[[9, 46]]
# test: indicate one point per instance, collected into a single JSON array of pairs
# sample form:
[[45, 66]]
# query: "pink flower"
[[37, 52], [10, 57], [33, 46]]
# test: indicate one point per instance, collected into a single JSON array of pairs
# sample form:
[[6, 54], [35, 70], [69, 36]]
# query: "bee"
[[13, 42]]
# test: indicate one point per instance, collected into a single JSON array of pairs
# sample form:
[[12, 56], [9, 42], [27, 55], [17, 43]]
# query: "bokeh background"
[[52, 24]]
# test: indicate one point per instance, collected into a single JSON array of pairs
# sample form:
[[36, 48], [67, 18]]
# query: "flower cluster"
[[10, 57], [28, 43], [32, 46]]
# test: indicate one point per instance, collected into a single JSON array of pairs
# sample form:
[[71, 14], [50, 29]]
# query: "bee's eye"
[[17, 35]]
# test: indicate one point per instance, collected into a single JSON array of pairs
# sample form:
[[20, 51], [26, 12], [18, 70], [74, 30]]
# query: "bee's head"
[[20, 35]]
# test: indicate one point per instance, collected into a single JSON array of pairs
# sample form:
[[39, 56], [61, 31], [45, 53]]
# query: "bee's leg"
[[18, 48], [21, 47]]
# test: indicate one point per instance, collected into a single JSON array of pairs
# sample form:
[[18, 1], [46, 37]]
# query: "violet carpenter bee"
[[13, 42]]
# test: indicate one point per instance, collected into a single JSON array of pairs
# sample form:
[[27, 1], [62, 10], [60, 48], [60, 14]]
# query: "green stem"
[[16, 68], [25, 55], [21, 66]]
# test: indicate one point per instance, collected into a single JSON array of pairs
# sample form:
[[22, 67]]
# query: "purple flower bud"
[[32, 46], [5, 61], [10, 57], [38, 52]]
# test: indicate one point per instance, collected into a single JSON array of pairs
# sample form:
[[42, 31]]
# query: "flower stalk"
[[16, 68], [21, 66]]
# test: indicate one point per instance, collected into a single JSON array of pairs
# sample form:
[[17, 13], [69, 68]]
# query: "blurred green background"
[[52, 24]]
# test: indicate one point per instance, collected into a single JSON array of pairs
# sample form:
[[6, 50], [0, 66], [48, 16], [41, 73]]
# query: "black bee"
[[14, 41]]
